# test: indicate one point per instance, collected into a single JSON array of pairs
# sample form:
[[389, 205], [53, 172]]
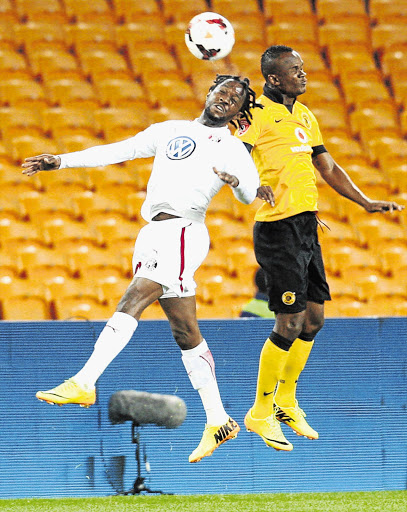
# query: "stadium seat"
[[23, 146], [35, 261], [151, 59], [18, 120], [342, 146], [382, 11], [351, 30], [37, 34], [38, 206], [13, 64], [125, 122], [81, 309], [98, 64], [119, 92], [375, 230], [63, 233], [178, 10], [397, 176], [111, 289], [374, 118], [213, 311], [249, 29], [341, 258], [223, 226], [364, 89], [334, 10], [162, 90], [47, 60], [277, 9], [96, 10], [85, 256], [232, 9], [65, 91], [68, 120], [387, 305], [239, 258], [25, 309], [50, 11], [388, 36], [148, 30], [22, 92], [394, 61], [331, 117], [294, 31], [322, 90], [385, 148], [129, 11], [115, 232], [347, 59], [393, 258]]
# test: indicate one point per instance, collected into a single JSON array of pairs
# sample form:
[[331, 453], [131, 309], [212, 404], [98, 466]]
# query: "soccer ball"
[[209, 36]]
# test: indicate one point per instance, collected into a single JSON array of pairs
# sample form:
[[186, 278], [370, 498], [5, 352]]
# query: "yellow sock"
[[296, 361], [272, 361]]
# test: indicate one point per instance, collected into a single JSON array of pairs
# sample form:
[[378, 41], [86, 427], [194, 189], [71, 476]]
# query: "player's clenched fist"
[[34, 164]]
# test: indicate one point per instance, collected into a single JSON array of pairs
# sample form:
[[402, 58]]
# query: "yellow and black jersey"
[[283, 143]]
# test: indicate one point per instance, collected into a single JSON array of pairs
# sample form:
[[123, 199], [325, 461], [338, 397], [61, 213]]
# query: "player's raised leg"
[[200, 367], [80, 389]]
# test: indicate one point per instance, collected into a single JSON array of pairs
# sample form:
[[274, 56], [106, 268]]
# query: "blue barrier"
[[353, 390]]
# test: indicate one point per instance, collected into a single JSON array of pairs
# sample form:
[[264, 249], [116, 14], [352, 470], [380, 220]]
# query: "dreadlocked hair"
[[249, 101]]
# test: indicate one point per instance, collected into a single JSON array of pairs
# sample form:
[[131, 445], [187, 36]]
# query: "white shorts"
[[169, 252]]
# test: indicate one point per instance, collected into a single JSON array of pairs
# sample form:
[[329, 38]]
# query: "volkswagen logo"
[[180, 148]]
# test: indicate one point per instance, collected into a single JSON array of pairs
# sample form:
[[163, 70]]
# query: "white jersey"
[[182, 180]]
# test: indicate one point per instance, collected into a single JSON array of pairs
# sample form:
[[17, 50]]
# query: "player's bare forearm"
[[340, 181], [265, 192], [34, 164]]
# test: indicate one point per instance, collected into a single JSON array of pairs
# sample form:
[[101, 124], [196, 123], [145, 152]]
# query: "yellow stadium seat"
[[388, 36], [165, 89], [65, 91], [63, 233], [37, 34], [115, 232], [331, 116], [341, 258], [387, 305], [19, 120], [375, 230], [393, 258], [277, 9], [101, 63], [351, 30], [35, 261], [345, 61], [25, 309], [13, 64], [397, 175], [23, 146], [22, 92], [249, 29], [334, 10], [382, 149], [364, 89], [235, 8], [119, 92], [122, 120], [382, 11], [46, 60], [90, 35], [41, 10], [148, 59], [145, 30], [130, 11], [213, 311], [38, 206], [99, 10], [86, 203], [294, 31], [240, 258], [111, 289], [86, 257], [394, 62], [321, 91], [67, 119], [81, 309], [379, 117]]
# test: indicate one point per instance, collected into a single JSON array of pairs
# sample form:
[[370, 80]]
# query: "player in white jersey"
[[193, 160]]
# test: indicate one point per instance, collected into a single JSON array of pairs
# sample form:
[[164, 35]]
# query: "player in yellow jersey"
[[286, 145]]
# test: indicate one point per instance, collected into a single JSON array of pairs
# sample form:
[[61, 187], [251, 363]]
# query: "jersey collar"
[[274, 94]]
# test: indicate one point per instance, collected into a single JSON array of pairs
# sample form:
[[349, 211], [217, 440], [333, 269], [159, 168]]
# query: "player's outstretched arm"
[[34, 164], [227, 178], [340, 181]]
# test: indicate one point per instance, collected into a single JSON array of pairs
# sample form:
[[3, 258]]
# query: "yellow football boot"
[[69, 392]]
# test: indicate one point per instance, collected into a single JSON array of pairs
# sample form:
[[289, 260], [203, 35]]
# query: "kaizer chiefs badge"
[[306, 120], [288, 298]]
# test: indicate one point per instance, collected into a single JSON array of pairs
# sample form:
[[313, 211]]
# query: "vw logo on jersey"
[[180, 148]]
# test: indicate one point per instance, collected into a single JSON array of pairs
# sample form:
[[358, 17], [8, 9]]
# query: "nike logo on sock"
[[267, 394]]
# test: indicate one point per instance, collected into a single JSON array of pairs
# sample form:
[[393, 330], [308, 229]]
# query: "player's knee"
[[186, 336]]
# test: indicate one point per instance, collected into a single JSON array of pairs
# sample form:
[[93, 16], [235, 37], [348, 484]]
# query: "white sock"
[[115, 335], [200, 367]]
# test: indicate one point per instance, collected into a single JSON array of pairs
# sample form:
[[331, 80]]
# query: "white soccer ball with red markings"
[[209, 36]]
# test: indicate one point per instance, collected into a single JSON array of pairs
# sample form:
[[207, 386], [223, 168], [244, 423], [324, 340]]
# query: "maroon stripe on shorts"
[[182, 249]]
